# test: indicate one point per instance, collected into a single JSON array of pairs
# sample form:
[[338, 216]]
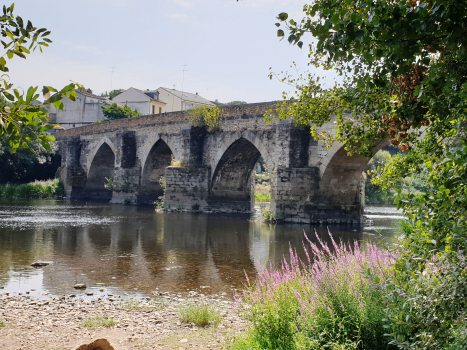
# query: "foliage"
[[263, 192], [21, 121], [2, 324], [109, 185], [24, 165], [206, 116], [403, 66], [332, 301], [38, 189], [174, 162], [98, 321], [201, 315], [114, 112], [236, 103], [161, 203], [267, 216], [112, 93], [432, 269]]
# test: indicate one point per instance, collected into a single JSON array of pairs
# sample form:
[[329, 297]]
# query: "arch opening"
[[343, 180], [232, 183], [102, 168], [159, 158]]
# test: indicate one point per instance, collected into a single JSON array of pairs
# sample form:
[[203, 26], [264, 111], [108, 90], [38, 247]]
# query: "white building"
[[178, 101], [146, 102], [85, 110], [161, 100]]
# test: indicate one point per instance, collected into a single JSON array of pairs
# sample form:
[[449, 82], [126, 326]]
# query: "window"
[[156, 96], [153, 109], [160, 110]]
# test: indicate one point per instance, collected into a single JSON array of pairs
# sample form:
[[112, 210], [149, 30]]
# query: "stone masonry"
[[122, 161]]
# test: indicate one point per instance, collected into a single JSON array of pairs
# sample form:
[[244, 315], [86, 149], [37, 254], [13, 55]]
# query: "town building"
[[146, 102], [87, 109], [181, 101]]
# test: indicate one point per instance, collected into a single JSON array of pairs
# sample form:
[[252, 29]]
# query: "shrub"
[[206, 116], [98, 321], [333, 301], [200, 315]]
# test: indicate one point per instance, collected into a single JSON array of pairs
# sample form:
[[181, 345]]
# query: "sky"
[[225, 46]]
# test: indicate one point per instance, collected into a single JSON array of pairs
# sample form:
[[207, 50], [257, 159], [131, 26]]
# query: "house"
[[146, 102], [178, 101], [85, 110]]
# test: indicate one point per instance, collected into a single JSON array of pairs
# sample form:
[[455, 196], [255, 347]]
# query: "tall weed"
[[334, 300], [38, 189]]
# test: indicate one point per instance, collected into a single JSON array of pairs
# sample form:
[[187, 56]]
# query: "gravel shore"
[[56, 322]]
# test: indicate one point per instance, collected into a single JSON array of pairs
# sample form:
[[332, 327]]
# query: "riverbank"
[[145, 323], [47, 189]]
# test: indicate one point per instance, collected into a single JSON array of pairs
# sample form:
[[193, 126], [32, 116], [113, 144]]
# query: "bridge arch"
[[341, 181], [102, 166], [158, 158], [96, 148], [253, 139], [231, 184]]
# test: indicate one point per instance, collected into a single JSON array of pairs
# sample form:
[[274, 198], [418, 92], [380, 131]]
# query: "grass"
[[2, 324], [137, 305], [200, 315], [99, 321], [38, 189], [334, 300]]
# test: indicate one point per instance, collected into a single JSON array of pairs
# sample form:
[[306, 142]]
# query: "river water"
[[133, 249]]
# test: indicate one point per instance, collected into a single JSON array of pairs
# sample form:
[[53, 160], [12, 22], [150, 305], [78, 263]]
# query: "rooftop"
[[186, 96]]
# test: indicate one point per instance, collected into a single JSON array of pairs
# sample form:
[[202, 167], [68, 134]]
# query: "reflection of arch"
[[231, 181], [102, 167], [158, 158], [341, 176], [92, 154]]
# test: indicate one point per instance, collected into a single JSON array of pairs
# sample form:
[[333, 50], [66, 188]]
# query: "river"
[[133, 249]]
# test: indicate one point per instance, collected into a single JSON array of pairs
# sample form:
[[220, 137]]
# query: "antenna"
[[111, 78], [183, 80]]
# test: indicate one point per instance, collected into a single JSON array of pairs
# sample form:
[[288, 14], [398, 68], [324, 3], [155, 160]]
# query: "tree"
[[114, 112], [112, 93], [403, 67], [22, 121], [234, 103]]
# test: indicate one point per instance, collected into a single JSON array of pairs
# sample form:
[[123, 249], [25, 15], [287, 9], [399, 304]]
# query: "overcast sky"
[[227, 46]]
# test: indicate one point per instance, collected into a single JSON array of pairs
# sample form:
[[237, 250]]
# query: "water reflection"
[[125, 248]]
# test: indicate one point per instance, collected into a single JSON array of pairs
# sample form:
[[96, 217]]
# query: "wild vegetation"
[[200, 315], [99, 321], [207, 117], [334, 300], [34, 190], [402, 68]]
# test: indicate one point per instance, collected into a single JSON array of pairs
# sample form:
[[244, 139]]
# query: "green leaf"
[[8, 96], [280, 33], [335, 18], [58, 104], [283, 16]]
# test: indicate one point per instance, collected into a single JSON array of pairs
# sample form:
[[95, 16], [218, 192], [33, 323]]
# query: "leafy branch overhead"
[[24, 120]]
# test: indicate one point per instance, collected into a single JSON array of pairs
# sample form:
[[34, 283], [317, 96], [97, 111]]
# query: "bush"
[[200, 315], [332, 301], [38, 189], [205, 116]]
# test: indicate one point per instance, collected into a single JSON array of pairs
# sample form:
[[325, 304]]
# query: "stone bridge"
[[309, 183]]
